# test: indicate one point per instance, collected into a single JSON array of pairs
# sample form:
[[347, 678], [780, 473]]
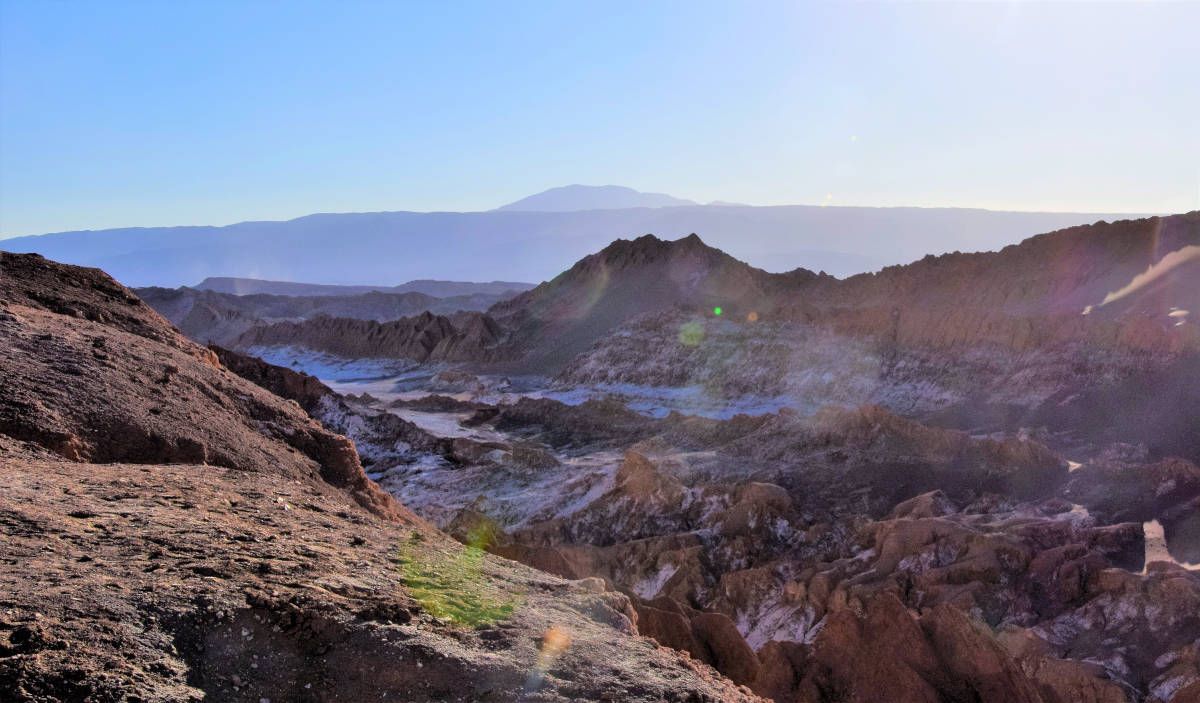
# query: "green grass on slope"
[[451, 585]]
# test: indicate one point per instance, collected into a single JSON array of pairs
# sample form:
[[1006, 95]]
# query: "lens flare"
[[556, 641]]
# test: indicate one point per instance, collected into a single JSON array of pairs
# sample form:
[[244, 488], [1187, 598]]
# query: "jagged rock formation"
[[381, 438], [854, 555], [424, 338], [829, 539], [431, 288], [210, 316], [172, 531]]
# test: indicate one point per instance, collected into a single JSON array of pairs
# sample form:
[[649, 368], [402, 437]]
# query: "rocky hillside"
[[563, 317], [1059, 272], [996, 340], [172, 531]]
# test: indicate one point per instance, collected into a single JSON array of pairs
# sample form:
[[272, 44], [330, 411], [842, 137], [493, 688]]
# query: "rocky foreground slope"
[[174, 532]]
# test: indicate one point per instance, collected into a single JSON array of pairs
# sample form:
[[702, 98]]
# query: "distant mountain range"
[[519, 243]]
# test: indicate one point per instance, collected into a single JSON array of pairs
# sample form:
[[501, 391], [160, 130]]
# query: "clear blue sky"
[[156, 113]]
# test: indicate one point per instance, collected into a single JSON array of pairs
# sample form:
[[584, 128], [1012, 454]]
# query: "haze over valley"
[[883, 384]]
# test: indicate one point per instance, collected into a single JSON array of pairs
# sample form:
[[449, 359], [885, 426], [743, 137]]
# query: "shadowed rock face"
[[563, 317], [171, 531], [94, 375], [283, 382]]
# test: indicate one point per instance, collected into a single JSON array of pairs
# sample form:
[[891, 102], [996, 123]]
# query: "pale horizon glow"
[[131, 114]]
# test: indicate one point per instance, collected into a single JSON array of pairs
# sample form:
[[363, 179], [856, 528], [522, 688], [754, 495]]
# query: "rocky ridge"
[[562, 317], [424, 338], [994, 341], [221, 317]]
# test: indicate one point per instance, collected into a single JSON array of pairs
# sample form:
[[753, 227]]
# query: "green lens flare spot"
[[717, 311]]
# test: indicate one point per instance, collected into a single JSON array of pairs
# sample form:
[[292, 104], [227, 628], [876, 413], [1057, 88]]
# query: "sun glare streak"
[[1155, 271]]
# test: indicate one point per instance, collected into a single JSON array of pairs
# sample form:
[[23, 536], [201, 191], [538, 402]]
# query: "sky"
[[160, 113]]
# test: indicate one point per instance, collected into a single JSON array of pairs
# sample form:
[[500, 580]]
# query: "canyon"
[[174, 532], [969, 478]]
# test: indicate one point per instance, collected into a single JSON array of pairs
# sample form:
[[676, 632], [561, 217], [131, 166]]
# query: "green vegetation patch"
[[451, 585]]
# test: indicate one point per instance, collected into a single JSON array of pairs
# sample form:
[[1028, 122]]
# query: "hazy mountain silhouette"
[[365, 248], [579, 197]]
